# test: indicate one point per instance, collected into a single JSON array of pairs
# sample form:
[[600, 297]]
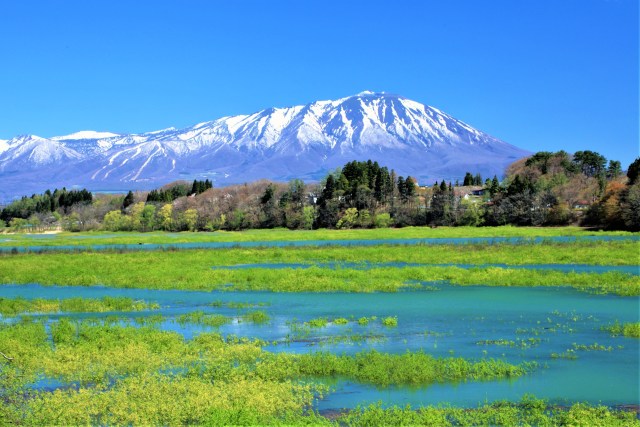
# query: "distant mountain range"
[[304, 141]]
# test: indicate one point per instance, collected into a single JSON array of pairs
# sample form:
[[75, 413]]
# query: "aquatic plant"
[[631, 330], [15, 306], [569, 354], [320, 322], [363, 321], [257, 317], [411, 368], [352, 338], [200, 318], [591, 347], [390, 321], [528, 411], [519, 342]]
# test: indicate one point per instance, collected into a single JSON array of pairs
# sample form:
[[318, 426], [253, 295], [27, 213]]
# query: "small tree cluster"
[[470, 179], [366, 187], [179, 190]]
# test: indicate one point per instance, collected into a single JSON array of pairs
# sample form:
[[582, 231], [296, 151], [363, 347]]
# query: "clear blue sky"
[[540, 74]]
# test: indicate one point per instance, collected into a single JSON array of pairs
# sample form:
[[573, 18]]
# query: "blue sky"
[[539, 74]]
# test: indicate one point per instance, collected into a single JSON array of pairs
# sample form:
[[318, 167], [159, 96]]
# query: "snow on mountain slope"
[[31, 151], [85, 134], [303, 141]]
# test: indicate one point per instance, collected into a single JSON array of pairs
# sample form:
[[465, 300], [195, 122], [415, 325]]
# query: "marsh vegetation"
[[449, 325]]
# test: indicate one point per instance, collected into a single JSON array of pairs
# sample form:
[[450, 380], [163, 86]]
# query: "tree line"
[[544, 189]]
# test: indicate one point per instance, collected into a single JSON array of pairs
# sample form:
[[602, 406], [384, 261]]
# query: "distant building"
[[581, 205]]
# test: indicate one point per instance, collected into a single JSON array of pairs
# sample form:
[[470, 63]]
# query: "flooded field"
[[562, 331], [47, 243], [322, 330]]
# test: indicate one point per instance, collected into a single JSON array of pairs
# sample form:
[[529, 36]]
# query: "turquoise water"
[[515, 324], [305, 243]]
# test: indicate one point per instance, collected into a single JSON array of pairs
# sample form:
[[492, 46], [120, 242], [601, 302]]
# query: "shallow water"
[[304, 243], [516, 324]]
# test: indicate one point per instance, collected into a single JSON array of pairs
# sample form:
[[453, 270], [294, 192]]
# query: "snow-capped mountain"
[[303, 141], [31, 152]]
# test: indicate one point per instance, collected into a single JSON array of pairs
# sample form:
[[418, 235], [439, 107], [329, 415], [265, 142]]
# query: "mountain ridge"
[[302, 141]]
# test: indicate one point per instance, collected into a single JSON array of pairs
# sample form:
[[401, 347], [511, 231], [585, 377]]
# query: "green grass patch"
[[121, 238], [125, 373], [382, 369], [191, 270], [631, 330], [528, 411], [200, 318], [16, 306], [258, 317]]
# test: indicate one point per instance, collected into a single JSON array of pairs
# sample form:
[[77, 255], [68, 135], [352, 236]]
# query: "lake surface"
[[305, 243], [515, 324]]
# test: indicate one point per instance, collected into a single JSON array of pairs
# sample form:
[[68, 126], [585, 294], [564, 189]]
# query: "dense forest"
[[545, 189]]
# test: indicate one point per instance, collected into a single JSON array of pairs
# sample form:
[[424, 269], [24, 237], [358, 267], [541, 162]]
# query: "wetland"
[[533, 331]]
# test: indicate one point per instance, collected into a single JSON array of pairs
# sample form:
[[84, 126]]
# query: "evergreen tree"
[[328, 190], [634, 171], [268, 205], [541, 160], [441, 204], [269, 194], [614, 170], [410, 187], [128, 200], [402, 189], [589, 162], [199, 187], [495, 186]]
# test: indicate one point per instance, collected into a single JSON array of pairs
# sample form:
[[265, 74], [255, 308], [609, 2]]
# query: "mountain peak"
[[303, 141], [26, 138], [85, 134]]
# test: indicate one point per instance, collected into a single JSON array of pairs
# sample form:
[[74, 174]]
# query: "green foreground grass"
[[123, 375], [280, 234], [192, 269]]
